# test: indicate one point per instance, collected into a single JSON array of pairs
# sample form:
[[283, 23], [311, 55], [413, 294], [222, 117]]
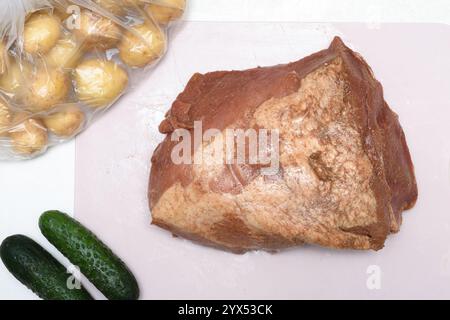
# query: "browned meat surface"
[[345, 172]]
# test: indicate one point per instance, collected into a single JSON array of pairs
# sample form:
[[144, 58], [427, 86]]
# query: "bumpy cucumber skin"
[[38, 270], [95, 260]]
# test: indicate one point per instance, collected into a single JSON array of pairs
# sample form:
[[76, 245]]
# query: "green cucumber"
[[95, 260], [38, 270]]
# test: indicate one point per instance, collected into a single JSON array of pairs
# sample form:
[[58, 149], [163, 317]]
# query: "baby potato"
[[65, 54], [166, 10], [113, 6], [134, 3], [98, 82], [65, 122], [141, 45], [97, 32], [5, 117], [29, 135], [3, 58], [13, 77], [61, 13], [45, 88], [41, 32]]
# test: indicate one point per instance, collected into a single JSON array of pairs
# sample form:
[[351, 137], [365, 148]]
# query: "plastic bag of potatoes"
[[62, 62]]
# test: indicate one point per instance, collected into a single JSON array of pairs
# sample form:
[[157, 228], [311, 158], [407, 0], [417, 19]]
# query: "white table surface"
[[31, 187]]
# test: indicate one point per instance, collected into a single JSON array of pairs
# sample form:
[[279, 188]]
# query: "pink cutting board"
[[412, 61]]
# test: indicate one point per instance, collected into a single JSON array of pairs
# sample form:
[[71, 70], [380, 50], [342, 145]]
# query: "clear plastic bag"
[[63, 62]]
